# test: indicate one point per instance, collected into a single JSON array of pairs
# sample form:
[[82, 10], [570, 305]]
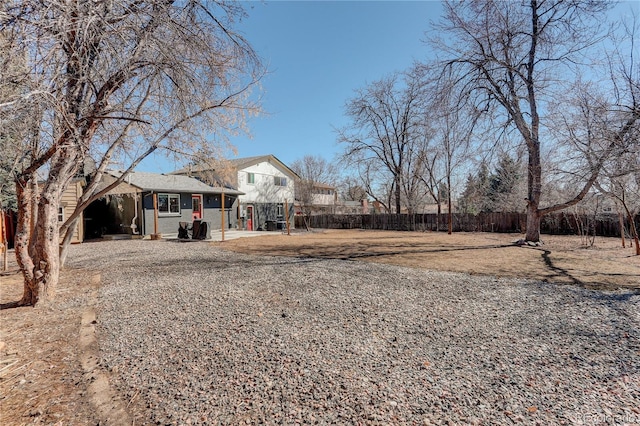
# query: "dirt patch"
[[49, 370], [41, 377], [561, 259]]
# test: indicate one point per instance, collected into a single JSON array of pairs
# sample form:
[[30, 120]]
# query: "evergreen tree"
[[475, 197], [505, 187]]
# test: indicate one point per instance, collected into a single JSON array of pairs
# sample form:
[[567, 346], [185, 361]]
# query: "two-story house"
[[315, 198], [267, 187]]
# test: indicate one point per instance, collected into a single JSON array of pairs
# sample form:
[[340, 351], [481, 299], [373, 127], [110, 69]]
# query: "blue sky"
[[317, 54]]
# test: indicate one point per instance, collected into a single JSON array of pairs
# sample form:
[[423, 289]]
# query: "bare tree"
[[350, 189], [454, 120], [625, 190], [603, 125], [115, 82], [519, 55], [371, 179], [383, 137], [620, 178], [313, 173]]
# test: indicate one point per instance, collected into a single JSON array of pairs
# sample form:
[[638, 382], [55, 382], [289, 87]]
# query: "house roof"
[[323, 185], [175, 183], [241, 163], [238, 163]]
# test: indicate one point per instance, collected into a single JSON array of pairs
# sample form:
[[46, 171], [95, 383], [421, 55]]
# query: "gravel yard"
[[193, 334]]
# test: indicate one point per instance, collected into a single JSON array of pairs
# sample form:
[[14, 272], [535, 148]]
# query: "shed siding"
[[212, 213], [68, 202]]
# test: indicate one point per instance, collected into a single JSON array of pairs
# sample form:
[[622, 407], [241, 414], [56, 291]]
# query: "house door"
[[249, 218], [196, 207]]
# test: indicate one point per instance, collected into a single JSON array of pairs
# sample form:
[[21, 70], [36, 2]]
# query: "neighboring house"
[[353, 207], [322, 198], [324, 195], [150, 203], [267, 187]]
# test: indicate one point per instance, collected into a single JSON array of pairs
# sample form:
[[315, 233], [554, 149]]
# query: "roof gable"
[[242, 163], [239, 164]]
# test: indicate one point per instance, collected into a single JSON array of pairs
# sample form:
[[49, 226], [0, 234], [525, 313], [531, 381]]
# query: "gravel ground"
[[195, 335]]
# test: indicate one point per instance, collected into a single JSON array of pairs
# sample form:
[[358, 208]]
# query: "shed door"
[[196, 203]]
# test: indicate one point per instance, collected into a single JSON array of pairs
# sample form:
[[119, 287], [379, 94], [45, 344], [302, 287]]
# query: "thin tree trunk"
[[450, 212], [622, 236], [66, 241], [398, 199], [34, 210], [634, 233], [3, 241]]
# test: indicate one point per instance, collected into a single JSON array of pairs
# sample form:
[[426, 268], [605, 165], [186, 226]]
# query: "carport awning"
[[124, 188]]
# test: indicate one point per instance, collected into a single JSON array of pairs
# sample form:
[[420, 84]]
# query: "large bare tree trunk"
[[46, 257], [533, 224], [37, 251], [534, 184], [25, 198], [397, 194], [37, 237]]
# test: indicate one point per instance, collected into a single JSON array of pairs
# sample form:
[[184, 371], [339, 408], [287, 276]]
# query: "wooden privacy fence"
[[607, 225]]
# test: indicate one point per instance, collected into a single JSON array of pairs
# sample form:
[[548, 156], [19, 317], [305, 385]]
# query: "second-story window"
[[279, 181], [251, 178]]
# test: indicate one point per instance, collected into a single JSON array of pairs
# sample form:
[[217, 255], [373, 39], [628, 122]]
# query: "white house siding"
[[263, 189], [264, 195], [323, 199]]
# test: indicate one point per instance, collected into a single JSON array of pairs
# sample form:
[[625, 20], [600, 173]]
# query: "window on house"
[[251, 178], [168, 204], [280, 210], [279, 181], [61, 214]]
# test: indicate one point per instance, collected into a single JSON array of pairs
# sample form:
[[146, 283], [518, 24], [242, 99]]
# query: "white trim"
[[169, 197]]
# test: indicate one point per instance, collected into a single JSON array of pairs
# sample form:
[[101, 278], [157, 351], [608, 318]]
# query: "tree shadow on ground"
[[558, 271], [360, 250], [12, 276]]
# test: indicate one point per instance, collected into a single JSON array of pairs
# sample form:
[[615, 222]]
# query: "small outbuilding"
[[152, 203]]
